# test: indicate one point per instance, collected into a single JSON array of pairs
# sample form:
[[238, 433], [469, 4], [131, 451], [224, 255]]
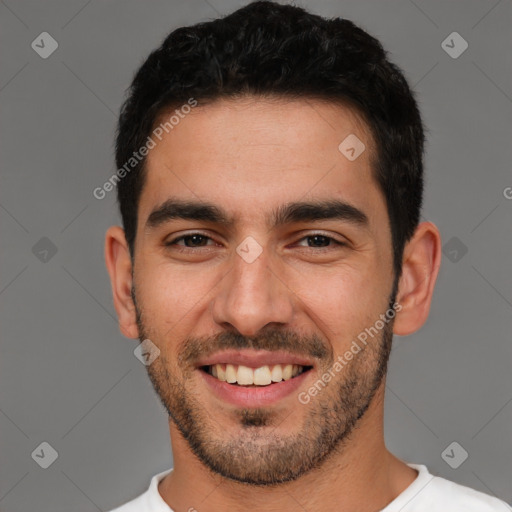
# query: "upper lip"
[[254, 358]]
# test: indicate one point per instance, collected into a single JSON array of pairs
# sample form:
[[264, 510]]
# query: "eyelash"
[[172, 243]]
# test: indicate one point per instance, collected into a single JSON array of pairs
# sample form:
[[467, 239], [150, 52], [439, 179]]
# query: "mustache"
[[271, 340]]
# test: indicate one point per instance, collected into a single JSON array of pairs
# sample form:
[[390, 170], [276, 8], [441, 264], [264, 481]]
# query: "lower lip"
[[242, 396]]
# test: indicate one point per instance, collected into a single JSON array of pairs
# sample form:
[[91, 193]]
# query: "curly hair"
[[271, 50]]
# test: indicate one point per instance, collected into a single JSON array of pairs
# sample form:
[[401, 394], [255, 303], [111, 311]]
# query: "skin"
[[249, 156]]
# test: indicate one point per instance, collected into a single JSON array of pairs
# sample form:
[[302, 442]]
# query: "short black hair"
[[270, 50]]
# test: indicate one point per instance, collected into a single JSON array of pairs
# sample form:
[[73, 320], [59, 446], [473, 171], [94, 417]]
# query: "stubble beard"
[[261, 454]]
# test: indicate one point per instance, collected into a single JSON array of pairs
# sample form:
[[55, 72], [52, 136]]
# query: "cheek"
[[168, 295], [343, 301]]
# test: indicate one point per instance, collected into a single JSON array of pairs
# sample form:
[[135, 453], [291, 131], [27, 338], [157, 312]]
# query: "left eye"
[[323, 240], [194, 238]]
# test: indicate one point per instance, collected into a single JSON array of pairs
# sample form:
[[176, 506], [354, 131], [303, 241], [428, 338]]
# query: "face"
[[262, 253]]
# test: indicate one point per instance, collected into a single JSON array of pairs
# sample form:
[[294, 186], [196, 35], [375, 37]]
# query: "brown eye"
[[321, 241], [191, 241]]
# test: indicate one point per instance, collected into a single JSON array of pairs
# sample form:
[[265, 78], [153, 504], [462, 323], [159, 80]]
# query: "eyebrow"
[[290, 213]]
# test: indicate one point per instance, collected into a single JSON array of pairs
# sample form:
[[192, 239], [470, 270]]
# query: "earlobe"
[[119, 266], [420, 267]]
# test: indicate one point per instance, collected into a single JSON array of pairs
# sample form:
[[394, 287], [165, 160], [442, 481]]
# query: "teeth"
[[221, 372], [287, 372], [277, 373], [263, 376], [245, 376], [230, 373]]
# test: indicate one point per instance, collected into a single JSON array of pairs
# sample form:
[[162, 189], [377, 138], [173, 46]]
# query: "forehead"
[[252, 154]]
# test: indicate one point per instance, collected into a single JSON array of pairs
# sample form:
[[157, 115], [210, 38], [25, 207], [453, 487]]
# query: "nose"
[[251, 296]]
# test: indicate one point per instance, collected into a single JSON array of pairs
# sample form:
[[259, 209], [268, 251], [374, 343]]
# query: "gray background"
[[70, 379]]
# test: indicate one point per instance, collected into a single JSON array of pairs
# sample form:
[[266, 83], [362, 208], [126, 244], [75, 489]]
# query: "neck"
[[361, 475]]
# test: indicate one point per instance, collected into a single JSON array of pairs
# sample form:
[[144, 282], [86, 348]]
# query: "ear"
[[420, 266], [119, 266]]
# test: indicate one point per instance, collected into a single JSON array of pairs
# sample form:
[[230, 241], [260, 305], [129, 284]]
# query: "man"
[[270, 185]]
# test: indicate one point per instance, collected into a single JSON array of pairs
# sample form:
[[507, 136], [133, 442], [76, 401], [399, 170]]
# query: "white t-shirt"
[[428, 493]]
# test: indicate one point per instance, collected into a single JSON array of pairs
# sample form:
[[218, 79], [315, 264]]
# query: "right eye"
[[192, 240]]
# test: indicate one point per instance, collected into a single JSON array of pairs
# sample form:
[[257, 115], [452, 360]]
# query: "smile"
[[246, 376]]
